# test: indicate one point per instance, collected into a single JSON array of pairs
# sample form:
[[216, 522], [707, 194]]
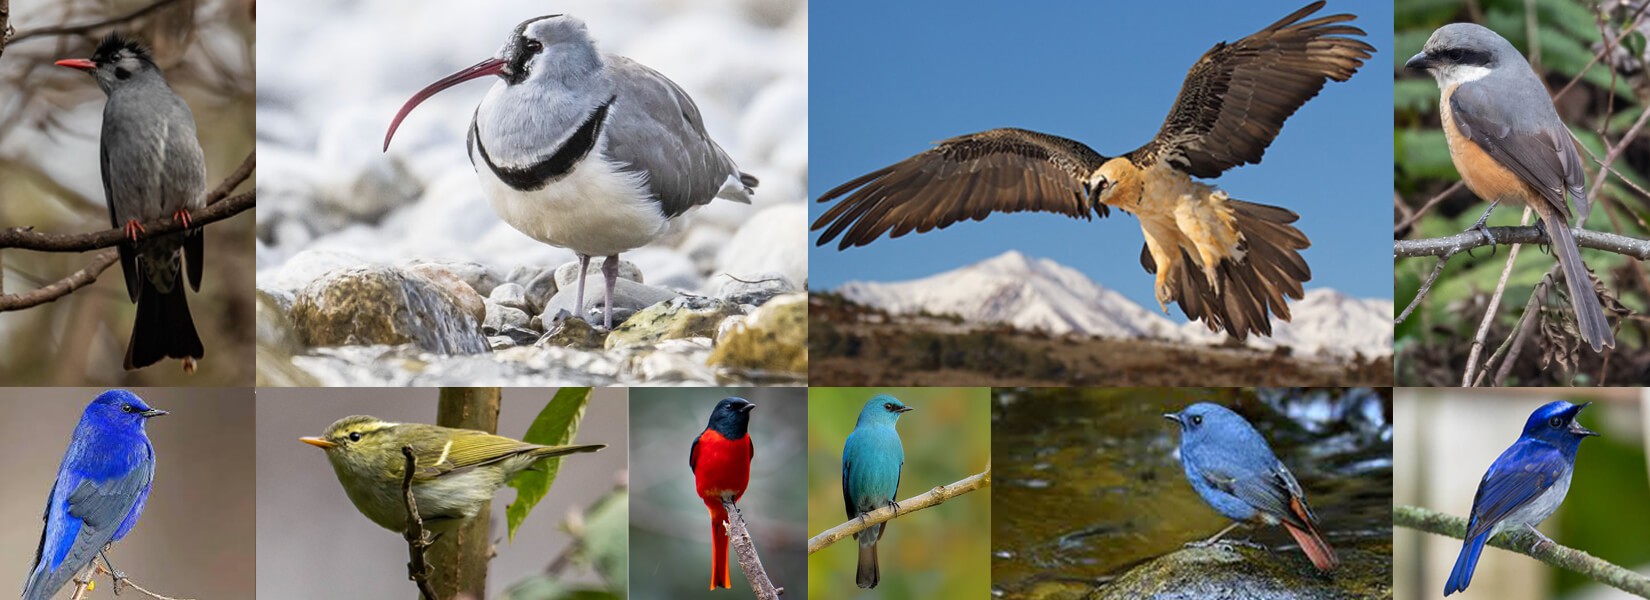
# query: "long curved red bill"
[[77, 63], [491, 66]]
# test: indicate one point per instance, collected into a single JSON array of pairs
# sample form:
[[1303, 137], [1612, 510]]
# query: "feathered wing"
[[685, 170], [1271, 271], [1519, 476], [481, 448], [1237, 96], [94, 514], [965, 177]]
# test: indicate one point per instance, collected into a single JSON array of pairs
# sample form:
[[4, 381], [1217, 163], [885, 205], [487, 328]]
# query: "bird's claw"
[[182, 216], [133, 228]]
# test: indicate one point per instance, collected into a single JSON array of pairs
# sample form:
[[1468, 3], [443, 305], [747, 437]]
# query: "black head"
[[116, 60], [731, 417]]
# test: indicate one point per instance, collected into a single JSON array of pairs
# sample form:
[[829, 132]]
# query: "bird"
[[1234, 470], [457, 471], [588, 151], [99, 494], [1226, 262], [720, 459], [1510, 146], [872, 459], [1524, 485], [152, 167]]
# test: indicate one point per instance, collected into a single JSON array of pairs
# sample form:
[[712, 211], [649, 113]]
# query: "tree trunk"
[[460, 557]]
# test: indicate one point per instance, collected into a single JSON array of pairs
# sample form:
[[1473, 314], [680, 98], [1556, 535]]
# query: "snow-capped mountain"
[[1042, 294], [1025, 293]]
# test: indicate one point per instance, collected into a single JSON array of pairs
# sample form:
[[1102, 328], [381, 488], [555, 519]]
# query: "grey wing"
[[1268, 490], [1542, 152], [128, 253], [185, 183], [966, 177], [657, 129], [101, 507]]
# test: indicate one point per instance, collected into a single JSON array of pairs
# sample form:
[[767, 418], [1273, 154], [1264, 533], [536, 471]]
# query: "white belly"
[[1541, 507], [597, 209]]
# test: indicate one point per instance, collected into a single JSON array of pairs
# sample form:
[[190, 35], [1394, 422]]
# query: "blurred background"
[[1445, 441], [670, 549], [50, 119], [312, 543], [1602, 99], [1101, 502], [195, 539], [938, 552]]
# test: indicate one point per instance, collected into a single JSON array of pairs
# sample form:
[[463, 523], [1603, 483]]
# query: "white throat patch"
[[1458, 74]]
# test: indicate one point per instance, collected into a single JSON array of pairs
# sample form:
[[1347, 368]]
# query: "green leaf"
[[555, 426], [607, 539]]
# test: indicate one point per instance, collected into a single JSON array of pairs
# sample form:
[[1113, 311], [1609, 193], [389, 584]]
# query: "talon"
[[182, 216], [133, 228], [189, 365]]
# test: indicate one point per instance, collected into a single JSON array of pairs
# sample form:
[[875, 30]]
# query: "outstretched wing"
[[965, 177], [1237, 96]]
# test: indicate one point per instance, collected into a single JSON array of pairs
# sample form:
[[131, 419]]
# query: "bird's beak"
[[1173, 417], [491, 66], [1420, 62], [153, 412], [904, 409], [747, 407], [1575, 426], [318, 442], [77, 63]]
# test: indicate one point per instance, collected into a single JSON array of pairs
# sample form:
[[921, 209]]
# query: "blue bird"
[[1524, 485], [1234, 470], [101, 486], [871, 463]]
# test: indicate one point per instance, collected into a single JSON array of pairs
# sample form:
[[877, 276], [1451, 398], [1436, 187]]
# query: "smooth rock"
[[755, 290], [628, 297], [307, 266], [680, 317], [512, 295], [500, 318], [567, 274], [1241, 572], [676, 362], [468, 298], [479, 277], [380, 304], [773, 339], [567, 332], [540, 289], [773, 241]]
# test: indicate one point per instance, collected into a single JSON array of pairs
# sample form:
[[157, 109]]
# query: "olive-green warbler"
[[457, 473]]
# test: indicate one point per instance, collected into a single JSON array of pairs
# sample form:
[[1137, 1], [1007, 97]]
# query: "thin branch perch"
[[1521, 541], [932, 497], [749, 561], [418, 540], [1467, 240], [81, 588]]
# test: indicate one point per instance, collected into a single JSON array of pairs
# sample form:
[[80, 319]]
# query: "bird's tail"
[[868, 574], [1246, 289], [1313, 544], [719, 574], [1461, 575], [163, 327], [553, 451], [1590, 321]]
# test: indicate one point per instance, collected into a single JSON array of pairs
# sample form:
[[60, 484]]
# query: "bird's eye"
[[888, 406], [1556, 422], [1197, 419], [127, 408], [533, 46], [355, 436]]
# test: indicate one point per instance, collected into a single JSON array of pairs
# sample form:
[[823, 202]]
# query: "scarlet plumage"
[[721, 462]]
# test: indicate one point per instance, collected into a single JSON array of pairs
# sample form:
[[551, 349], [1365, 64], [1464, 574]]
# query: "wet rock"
[[500, 318], [380, 304], [773, 339], [307, 266], [755, 290], [1242, 572], [567, 274], [540, 289], [512, 295], [767, 243], [628, 297], [568, 332], [680, 317], [521, 336], [467, 297], [277, 342], [407, 366], [479, 277], [677, 361]]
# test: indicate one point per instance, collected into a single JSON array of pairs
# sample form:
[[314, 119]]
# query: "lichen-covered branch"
[[745, 549], [1447, 246], [1523, 542], [907, 506], [418, 540]]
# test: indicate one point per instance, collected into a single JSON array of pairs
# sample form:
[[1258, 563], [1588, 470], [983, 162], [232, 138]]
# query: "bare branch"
[[1521, 541], [749, 561], [62, 287], [418, 540], [88, 27], [1448, 246], [910, 505], [1489, 311]]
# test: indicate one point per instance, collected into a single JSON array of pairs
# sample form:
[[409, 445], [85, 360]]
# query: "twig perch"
[[81, 588], [418, 540], [910, 505], [1523, 542], [749, 561], [1461, 242]]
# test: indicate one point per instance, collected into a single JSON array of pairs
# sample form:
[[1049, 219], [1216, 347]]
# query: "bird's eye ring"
[[127, 408], [355, 436], [1556, 422], [889, 406], [533, 46], [1197, 419]]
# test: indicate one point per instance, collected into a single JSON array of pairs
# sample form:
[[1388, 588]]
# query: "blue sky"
[[889, 78]]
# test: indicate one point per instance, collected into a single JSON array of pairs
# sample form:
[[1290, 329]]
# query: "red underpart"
[[721, 467]]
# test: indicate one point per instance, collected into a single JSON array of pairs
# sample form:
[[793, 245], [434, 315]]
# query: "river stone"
[[468, 298], [500, 318], [773, 339], [681, 317], [567, 274], [1239, 571], [677, 361], [513, 295], [568, 332], [755, 290], [380, 304], [628, 297], [540, 289]]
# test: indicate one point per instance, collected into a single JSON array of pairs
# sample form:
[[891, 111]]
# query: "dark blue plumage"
[[1524, 485], [1234, 470], [100, 490], [871, 463]]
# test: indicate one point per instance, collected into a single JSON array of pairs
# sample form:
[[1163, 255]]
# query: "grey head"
[[118, 63], [1462, 52]]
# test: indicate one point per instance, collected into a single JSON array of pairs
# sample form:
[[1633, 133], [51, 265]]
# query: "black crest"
[[113, 43]]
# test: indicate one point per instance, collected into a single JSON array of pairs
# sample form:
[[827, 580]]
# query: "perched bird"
[[871, 462], [1233, 469], [587, 151], [1524, 485], [1509, 145], [721, 462], [1226, 262], [457, 472], [99, 494], [152, 168]]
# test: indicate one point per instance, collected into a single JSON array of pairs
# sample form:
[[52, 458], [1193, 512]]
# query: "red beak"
[[77, 63], [491, 66]]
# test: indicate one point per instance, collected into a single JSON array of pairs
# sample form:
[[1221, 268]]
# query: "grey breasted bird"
[[152, 168], [587, 151]]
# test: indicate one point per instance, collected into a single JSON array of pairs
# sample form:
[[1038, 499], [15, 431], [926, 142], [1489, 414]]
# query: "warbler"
[[457, 470]]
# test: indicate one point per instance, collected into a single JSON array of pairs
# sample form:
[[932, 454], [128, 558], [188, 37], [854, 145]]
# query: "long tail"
[[1316, 549], [553, 451], [719, 575], [868, 574], [1461, 575], [1590, 321], [163, 327], [1271, 269]]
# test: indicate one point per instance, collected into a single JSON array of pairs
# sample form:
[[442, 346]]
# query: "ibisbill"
[[1226, 262], [457, 470]]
